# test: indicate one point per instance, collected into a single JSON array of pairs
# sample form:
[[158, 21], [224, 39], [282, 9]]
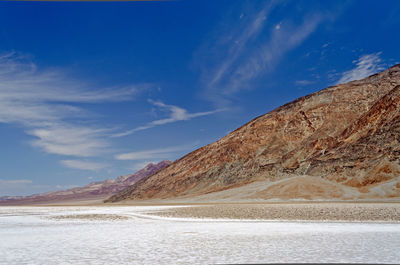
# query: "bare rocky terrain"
[[341, 143], [347, 212]]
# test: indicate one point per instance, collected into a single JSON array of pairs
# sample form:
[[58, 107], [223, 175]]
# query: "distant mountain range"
[[340, 143], [95, 191]]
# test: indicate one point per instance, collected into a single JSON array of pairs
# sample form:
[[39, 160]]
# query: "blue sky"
[[90, 91]]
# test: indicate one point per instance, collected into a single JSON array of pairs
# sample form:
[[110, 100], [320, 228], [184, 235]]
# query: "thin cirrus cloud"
[[155, 154], [15, 181], [83, 165], [141, 165], [304, 82], [269, 54], [19, 186], [175, 114], [69, 140], [249, 31], [366, 65], [248, 49], [42, 102]]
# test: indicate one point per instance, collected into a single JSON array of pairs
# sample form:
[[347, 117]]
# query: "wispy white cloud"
[[366, 65], [175, 114], [304, 82], [21, 80], [69, 140], [140, 165], [26, 187], [43, 101], [15, 182], [251, 29], [148, 154], [270, 53], [155, 154], [248, 49], [83, 165], [17, 187], [66, 187]]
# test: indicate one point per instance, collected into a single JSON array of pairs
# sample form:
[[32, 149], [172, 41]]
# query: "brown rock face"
[[92, 191], [346, 135]]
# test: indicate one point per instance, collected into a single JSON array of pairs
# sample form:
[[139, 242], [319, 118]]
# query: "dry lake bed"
[[135, 235]]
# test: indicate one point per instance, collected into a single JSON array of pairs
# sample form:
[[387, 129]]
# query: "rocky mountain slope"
[[342, 142], [91, 192]]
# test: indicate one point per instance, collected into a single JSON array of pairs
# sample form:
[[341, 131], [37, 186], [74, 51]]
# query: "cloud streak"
[[251, 30], [304, 82], [44, 102], [366, 65], [83, 165], [15, 182], [175, 114], [250, 48], [269, 54], [154, 154], [141, 165], [17, 187], [69, 140]]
